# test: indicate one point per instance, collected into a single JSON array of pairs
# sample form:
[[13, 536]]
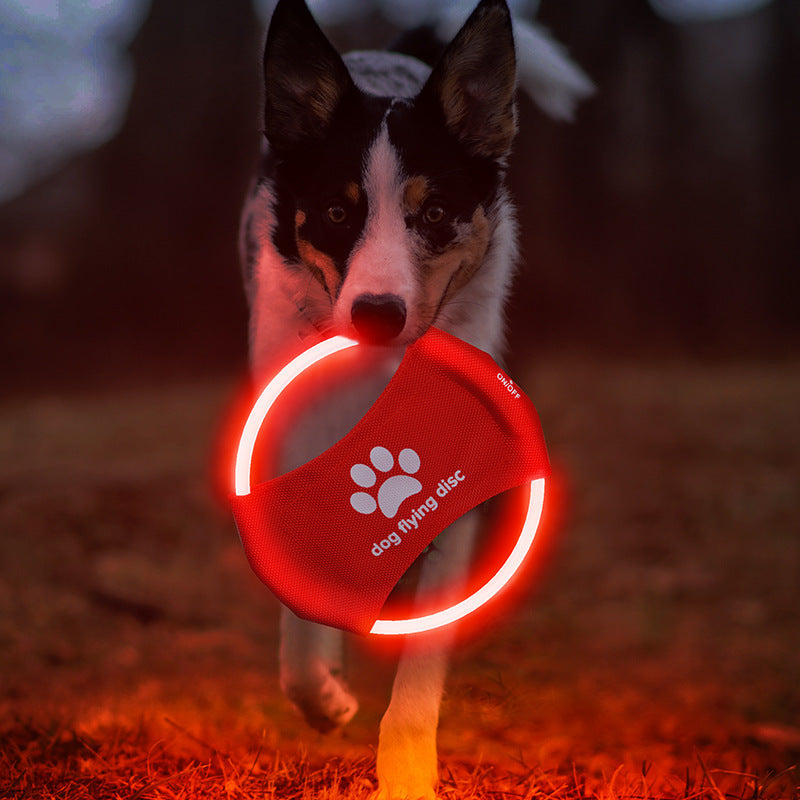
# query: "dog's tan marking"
[[450, 271], [415, 194], [319, 264], [352, 192]]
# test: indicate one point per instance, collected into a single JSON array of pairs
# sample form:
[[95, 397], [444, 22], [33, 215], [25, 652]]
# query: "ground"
[[654, 655]]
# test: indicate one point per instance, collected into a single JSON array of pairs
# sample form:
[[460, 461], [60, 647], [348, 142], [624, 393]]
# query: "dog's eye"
[[337, 214], [433, 214]]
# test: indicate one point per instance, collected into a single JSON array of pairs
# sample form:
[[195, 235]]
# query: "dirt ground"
[[657, 652]]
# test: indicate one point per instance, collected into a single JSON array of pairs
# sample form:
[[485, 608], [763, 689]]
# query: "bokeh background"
[[655, 324], [664, 219]]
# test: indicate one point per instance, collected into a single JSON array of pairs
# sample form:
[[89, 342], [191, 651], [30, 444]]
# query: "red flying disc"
[[332, 538]]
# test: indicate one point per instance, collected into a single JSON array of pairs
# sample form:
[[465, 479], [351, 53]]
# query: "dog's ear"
[[474, 82], [304, 78]]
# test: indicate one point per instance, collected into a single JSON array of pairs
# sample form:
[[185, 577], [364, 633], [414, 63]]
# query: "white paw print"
[[393, 490]]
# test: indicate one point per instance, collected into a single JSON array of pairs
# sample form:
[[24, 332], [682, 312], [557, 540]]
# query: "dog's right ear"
[[304, 77]]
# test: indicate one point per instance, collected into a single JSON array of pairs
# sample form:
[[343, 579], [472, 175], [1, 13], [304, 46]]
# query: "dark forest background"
[[665, 220]]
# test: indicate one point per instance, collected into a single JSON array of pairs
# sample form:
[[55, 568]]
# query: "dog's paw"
[[325, 702], [406, 766], [404, 794], [403, 791]]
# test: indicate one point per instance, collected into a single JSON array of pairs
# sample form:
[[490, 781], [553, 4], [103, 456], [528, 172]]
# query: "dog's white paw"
[[407, 767], [323, 699], [403, 793]]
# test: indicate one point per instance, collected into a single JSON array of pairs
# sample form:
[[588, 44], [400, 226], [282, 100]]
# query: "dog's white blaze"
[[382, 261]]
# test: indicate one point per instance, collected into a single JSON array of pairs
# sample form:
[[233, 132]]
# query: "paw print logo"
[[394, 490]]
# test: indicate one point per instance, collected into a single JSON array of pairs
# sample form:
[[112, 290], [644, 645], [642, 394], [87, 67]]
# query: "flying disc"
[[332, 537]]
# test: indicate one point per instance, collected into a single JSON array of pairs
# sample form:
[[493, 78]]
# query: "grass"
[[655, 657], [66, 764], [62, 763]]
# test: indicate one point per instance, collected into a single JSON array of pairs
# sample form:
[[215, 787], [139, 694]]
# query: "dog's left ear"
[[475, 80]]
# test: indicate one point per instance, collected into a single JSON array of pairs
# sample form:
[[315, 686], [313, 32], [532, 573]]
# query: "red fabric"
[[457, 410]]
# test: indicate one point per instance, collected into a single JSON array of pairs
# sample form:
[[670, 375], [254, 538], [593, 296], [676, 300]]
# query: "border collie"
[[379, 209]]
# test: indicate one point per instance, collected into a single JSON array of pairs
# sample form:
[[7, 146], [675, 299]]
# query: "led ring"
[[384, 627]]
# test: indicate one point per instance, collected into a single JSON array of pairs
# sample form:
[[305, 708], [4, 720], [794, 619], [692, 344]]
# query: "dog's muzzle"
[[378, 318]]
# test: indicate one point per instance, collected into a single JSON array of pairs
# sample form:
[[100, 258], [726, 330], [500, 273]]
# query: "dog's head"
[[385, 180]]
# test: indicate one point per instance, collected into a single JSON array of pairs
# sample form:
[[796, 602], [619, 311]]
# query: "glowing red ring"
[[384, 627]]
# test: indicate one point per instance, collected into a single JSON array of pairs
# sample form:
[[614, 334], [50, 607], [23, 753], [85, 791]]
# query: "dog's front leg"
[[311, 672], [407, 768], [407, 763], [311, 655]]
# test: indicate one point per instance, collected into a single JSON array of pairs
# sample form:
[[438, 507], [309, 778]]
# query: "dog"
[[379, 209]]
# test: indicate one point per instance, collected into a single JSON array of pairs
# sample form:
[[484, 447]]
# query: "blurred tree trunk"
[[653, 218], [783, 152]]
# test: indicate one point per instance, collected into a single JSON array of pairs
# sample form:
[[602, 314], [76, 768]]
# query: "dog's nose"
[[378, 318]]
